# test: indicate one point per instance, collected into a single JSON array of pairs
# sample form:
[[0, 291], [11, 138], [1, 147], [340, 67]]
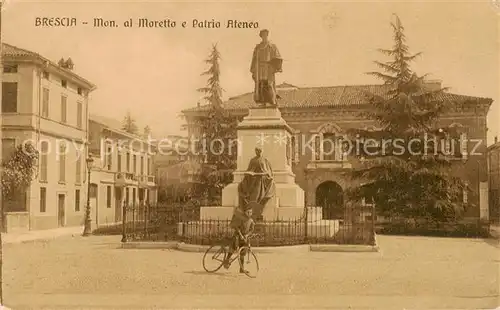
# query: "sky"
[[154, 73]]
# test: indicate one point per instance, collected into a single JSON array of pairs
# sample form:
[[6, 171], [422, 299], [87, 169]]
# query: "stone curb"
[[343, 248], [193, 248], [36, 240]]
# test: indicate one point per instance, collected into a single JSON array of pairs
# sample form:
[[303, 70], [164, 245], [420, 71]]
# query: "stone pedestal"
[[264, 128]]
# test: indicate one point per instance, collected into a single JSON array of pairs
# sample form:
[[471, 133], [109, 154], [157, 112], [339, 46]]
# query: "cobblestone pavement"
[[409, 272]]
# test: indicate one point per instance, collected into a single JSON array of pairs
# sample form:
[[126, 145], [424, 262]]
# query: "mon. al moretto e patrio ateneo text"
[[100, 22]]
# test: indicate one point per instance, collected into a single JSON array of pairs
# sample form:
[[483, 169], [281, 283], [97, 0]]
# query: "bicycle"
[[219, 252]]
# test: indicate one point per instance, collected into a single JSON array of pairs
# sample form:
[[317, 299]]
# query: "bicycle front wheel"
[[214, 258], [250, 262]]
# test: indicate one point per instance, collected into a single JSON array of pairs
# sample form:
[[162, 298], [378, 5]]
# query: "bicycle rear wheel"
[[214, 258], [250, 263]]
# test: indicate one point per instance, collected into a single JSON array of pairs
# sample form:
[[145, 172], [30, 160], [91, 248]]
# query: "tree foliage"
[[129, 125], [405, 178], [146, 132], [19, 171], [217, 130]]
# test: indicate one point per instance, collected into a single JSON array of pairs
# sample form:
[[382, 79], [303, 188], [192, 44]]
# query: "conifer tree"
[[129, 125], [404, 178], [217, 131]]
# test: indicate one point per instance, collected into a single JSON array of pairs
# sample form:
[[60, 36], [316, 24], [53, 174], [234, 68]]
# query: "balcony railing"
[[146, 180], [125, 178]]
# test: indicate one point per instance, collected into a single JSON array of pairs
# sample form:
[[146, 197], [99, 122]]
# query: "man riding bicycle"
[[243, 225]]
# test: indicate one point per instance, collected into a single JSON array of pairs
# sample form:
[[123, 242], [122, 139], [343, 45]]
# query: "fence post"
[[373, 224], [146, 219], [124, 223], [305, 224], [133, 220]]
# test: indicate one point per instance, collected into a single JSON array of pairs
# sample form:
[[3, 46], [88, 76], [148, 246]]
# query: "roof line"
[[40, 57]]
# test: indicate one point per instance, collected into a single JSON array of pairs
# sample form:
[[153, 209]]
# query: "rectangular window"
[[329, 146], [147, 165], [119, 162], [9, 97], [77, 200], [79, 114], [78, 170], [79, 91], [135, 164], [295, 143], [108, 196], [62, 164], [109, 157], [8, 148], [43, 161], [64, 101], [45, 102], [465, 193], [9, 68], [64, 83], [43, 199], [46, 75], [142, 165], [133, 195], [128, 161], [127, 196]]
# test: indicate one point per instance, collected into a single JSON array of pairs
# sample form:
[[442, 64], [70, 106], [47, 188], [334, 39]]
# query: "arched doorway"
[[330, 197]]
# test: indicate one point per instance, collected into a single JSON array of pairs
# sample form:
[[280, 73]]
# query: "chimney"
[[433, 85], [198, 104], [496, 139]]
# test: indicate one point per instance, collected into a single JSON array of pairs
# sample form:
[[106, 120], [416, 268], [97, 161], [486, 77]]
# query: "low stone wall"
[[17, 222]]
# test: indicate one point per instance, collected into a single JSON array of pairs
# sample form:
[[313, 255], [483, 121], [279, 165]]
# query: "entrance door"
[[330, 197], [61, 210], [118, 204]]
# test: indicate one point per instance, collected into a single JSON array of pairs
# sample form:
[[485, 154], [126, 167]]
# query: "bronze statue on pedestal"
[[266, 61]]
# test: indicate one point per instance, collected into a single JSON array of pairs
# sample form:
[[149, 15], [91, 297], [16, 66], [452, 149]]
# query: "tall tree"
[[217, 129], [146, 131], [405, 178], [129, 124]]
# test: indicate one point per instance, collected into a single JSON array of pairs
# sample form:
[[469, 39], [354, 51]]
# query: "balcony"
[[146, 181], [125, 179]]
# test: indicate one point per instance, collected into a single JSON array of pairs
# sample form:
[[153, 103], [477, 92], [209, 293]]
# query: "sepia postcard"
[[249, 154]]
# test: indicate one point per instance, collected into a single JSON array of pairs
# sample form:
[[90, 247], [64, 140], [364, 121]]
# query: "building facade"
[[173, 169], [494, 180], [122, 172], [47, 104], [321, 116]]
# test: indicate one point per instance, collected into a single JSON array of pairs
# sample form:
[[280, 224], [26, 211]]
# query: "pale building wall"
[[27, 123], [106, 166]]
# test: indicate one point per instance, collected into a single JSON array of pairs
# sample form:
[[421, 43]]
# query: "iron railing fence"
[[176, 222]]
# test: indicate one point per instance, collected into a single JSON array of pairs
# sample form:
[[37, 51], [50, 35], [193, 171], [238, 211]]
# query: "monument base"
[[288, 204], [221, 213]]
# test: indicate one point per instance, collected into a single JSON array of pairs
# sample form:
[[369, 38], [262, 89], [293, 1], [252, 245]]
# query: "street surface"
[[409, 272]]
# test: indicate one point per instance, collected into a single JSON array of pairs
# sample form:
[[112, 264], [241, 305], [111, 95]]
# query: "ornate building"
[[321, 116]]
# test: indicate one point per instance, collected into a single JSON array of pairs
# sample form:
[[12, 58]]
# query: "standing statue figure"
[[256, 188], [266, 61]]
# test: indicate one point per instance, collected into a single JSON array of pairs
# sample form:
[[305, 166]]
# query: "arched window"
[[330, 143], [455, 142]]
